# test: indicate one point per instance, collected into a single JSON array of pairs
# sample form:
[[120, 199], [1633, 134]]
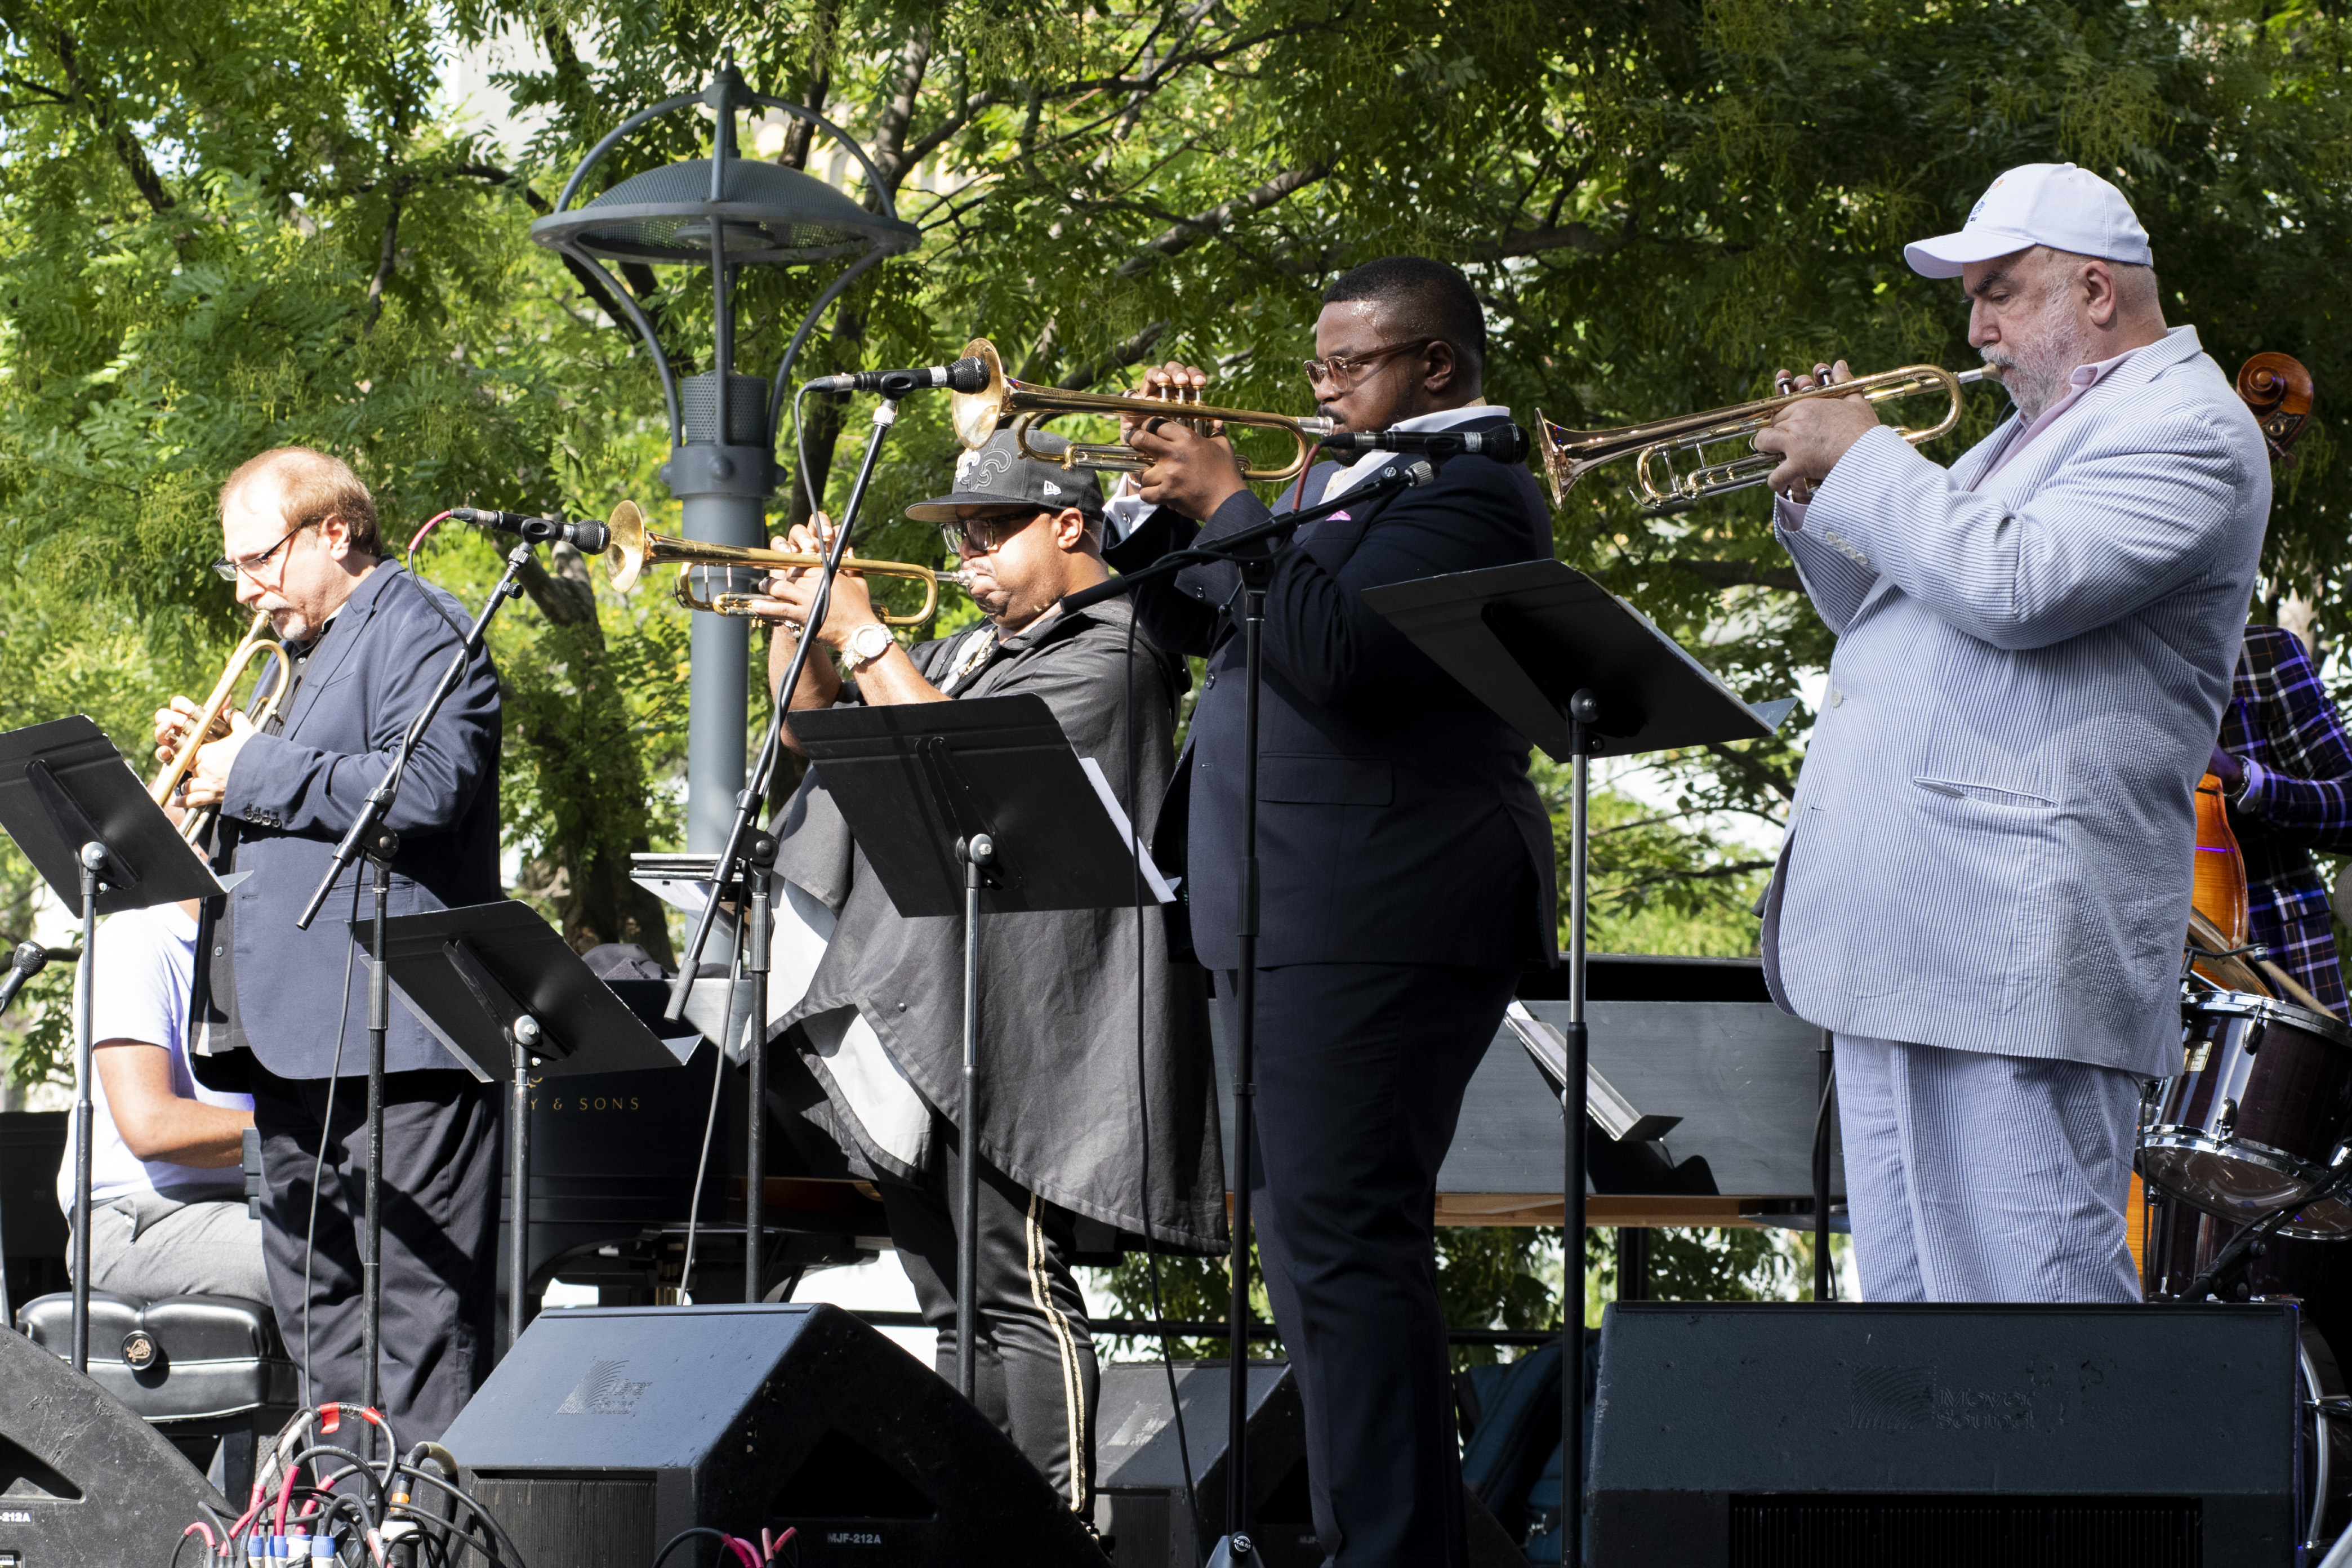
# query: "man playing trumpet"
[[1985, 882], [1078, 1118], [367, 642]]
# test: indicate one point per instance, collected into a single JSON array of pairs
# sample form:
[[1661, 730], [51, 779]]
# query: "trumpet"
[[636, 547], [257, 644], [979, 415], [1569, 455]]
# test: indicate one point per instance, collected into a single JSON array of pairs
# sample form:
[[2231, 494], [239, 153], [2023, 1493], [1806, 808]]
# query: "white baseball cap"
[[2056, 205]]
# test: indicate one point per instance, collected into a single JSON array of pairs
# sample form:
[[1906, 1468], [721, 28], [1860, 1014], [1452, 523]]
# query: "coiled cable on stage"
[[300, 1504]]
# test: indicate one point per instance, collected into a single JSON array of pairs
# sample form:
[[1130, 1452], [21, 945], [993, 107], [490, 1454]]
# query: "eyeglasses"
[[227, 569], [984, 535], [1343, 371]]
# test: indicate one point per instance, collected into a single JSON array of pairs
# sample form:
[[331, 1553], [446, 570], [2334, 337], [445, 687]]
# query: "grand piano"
[[615, 1156]]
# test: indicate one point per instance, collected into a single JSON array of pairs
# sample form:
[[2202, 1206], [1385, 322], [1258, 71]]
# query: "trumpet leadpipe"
[[752, 603]]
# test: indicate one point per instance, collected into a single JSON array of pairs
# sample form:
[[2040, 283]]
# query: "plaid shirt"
[[2297, 798]]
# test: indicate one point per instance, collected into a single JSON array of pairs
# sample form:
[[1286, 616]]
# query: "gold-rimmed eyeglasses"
[[1343, 371]]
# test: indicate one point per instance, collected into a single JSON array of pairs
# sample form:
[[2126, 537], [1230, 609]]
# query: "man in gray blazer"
[[282, 1013], [1986, 879]]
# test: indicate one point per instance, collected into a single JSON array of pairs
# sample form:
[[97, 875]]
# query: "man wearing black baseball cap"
[[1065, 1123]]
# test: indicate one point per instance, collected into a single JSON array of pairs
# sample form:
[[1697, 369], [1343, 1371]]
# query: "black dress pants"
[[1035, 1370], [440, 1207], [1361, 1070]]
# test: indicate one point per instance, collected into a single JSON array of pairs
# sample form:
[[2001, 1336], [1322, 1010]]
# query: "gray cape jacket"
[[1071, 1106]]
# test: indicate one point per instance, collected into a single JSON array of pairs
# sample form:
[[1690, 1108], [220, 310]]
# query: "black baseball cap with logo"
[[998, 475]]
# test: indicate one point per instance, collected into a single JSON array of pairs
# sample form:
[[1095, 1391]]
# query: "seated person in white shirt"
[[167, 1182]]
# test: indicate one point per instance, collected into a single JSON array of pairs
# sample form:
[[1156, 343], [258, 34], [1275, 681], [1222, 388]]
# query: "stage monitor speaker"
[[84, 1483], [1772, 1434], [1140, 1500], [605, 1431], [1139, 1471]]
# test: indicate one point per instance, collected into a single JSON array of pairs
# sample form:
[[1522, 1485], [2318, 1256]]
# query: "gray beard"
[[2038, 377]]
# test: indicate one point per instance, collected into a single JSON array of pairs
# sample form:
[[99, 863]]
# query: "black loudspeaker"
[[1774, 1434], [605, 1431], [84, 1483], [1139, 1471]]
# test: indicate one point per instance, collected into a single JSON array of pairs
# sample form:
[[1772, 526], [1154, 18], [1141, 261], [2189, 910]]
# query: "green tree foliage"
[[227, 225]]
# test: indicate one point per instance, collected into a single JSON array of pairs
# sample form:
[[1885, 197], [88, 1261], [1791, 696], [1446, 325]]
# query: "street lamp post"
[[724, 213]]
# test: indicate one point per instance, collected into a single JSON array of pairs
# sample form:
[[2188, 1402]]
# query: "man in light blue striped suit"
[[1985, 883]]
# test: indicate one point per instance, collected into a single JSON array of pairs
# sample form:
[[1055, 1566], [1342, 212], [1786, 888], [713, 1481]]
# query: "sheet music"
[[1160, 892]]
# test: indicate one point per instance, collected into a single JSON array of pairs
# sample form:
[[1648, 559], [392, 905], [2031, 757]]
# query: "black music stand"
[[970, 808], [1582, 674], [84, 820], [499, 986]]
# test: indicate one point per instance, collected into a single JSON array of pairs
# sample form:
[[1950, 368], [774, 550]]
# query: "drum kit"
[[2254, 1123], [2246, 1154]]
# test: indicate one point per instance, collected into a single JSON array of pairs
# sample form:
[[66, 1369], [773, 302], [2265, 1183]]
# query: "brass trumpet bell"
[[1658, 488], [634, 547], [207, 725], [979, 415]]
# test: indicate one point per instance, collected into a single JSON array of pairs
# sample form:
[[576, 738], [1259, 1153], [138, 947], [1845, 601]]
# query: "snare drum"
[[2254, 1117]]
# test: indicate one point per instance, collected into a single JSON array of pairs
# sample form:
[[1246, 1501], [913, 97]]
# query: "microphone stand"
[[369, 836], [756, 853], [1251, 551]]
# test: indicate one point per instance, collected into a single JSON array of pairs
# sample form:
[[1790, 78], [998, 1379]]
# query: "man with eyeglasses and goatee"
[[1405, 867], [1081, 1120]]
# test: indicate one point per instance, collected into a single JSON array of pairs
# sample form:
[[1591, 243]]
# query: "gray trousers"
[[1036, 1374], [1975, 1177], [440, 1208], [147, 1245]]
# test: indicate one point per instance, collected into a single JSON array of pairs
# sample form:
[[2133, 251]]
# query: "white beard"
[[2038, 374]]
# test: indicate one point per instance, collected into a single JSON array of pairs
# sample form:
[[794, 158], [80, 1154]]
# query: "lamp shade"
[[768, 214]]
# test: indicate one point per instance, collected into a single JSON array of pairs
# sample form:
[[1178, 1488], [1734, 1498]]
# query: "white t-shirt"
[[146, 960]]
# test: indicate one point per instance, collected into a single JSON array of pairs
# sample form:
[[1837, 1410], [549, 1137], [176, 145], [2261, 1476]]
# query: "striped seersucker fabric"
[[1973, 1177], [1990, 845]]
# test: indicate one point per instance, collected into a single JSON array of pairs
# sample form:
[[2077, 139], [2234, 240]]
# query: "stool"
[[209, 1372]]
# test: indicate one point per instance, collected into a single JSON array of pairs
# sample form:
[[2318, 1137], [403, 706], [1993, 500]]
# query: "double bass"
[[2279, 391]]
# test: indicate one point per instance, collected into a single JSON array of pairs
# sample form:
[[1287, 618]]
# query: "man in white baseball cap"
[[1987, 873]]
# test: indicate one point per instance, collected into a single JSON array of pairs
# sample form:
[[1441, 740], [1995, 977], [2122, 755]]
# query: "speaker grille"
[[599, 1521], [1864, 1531]]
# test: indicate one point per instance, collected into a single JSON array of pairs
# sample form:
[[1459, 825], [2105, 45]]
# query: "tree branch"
[[1185, 232], [898, 112], [127, 150], [1740, 575], [1573, 237], [384, 260], [1735, 868], [1754, 770], [1124, 353]]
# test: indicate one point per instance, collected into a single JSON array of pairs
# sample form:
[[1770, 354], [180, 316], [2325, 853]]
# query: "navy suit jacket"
[[1396, 821], [292, 795]]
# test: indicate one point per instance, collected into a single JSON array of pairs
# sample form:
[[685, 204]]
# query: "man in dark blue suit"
[[282, 1011], [1405, 865]]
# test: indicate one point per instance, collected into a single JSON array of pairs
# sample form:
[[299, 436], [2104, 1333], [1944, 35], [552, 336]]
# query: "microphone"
[[588, 537], [968, 374], [29, 959], [1505, 444]]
